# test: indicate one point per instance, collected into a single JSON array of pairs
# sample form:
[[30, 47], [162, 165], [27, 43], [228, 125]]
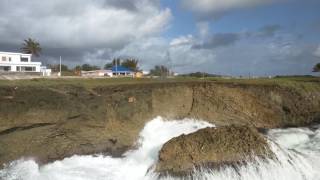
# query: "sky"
[[228, 37]]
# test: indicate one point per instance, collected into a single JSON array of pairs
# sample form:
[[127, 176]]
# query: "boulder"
[[212, 148]]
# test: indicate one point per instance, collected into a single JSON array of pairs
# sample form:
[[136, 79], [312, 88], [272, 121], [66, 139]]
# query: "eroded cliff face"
[[50, 123]]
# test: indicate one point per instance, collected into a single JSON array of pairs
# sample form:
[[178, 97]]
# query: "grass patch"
[[91, 83]]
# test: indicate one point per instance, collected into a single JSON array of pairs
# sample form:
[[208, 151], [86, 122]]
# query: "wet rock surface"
[[212, 148]]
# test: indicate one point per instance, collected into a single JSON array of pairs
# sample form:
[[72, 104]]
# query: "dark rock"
[[212, 148]]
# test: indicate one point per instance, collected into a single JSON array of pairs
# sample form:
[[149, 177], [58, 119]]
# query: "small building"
[[145, 73], [45, 71], [19, 62], [96, 73], [138, 74], [122, 71]]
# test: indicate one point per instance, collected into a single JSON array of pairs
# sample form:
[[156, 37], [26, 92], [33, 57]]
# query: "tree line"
[[131, 64], [316, 68]]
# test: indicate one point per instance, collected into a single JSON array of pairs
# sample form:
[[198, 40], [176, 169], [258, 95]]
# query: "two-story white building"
[[18, 62]]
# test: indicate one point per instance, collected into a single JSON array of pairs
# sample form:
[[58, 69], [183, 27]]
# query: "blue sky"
[[231, 37], [183, 21], [295, 22], [296, 16]]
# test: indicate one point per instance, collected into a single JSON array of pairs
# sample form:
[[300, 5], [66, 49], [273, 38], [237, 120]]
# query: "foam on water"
[[298, 156]]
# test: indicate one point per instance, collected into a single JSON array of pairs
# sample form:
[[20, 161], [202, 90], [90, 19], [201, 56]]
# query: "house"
[[114, 72], [122, 71], [19, 62], [96, 73]]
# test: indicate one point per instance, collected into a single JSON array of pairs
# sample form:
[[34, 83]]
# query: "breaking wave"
[[297, 151]]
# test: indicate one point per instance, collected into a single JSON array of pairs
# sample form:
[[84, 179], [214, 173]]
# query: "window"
[[24, 59], [5, 68], [4, 58], [18, 68], [9, 59], [28, 69]]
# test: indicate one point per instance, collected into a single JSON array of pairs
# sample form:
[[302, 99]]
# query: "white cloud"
[[156, 23], [95, 31], [255, 56], [203, 28], [81, 23], [317, 52], [153, 51], [182, 40]]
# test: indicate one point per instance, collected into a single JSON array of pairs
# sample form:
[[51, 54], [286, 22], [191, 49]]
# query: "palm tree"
[[31, 46], [131, 64]]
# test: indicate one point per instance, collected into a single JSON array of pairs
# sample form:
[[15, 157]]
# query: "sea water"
[[297, 151]]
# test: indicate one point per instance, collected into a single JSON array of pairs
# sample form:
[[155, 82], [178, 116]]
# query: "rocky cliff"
[[53, 122]]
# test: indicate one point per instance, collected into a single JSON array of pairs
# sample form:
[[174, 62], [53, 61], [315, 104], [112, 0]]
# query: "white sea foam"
[[298, 156]]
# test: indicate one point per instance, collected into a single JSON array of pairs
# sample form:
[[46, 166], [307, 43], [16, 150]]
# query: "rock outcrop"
[[51, 122], [212, 148]]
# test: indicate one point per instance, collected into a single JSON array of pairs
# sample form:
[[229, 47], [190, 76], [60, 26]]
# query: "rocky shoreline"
[[53, 122], [212, 148]]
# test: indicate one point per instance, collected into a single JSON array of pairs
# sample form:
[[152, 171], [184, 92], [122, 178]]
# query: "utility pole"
[[169, 60], [60, 67], [116, 66]]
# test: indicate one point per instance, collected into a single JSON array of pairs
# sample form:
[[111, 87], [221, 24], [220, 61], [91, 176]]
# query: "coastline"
[[52, 120]]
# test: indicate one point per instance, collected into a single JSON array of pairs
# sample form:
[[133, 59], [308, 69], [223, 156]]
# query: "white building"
[[97, 73], [18, 62]]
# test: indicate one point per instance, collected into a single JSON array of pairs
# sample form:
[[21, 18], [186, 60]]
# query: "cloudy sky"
[[231, 37]]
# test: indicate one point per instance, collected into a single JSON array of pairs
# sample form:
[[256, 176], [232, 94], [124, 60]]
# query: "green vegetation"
[[159, 70], [85, 82], [116, 61], [31, 46], [66, 71], [200, 75], [56, 67], [131, 64], [108, 66], [304, 82], [88, 67], [316, 68]]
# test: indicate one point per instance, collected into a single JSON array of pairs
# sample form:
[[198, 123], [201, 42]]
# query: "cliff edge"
[[51, 122]]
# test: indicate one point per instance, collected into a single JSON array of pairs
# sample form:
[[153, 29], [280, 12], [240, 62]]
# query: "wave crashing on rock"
[[212, 148]]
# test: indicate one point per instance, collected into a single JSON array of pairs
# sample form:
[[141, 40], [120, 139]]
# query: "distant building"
[[145, 73], [138, 74], [19, 62], [45, 71], [114, 72], [96, 73], [122, 71]]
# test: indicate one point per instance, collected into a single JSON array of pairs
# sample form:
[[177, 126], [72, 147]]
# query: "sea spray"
[[297, 151], [133, 166]]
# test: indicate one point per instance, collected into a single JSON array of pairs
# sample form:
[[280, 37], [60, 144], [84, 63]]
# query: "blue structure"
[[123, 71]]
